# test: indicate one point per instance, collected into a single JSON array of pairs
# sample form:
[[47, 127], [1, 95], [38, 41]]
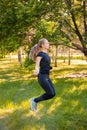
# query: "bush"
[[28, 62]]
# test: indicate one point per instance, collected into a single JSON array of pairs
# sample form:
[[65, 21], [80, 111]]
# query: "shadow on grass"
[[16, 91], [74, 68], [15, 74], [66, 111], [70, 105], [12, 71]]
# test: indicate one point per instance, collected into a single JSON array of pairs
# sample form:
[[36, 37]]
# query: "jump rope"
[[23, 86]]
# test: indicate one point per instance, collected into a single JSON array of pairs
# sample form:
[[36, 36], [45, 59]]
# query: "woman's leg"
[[48, 87]]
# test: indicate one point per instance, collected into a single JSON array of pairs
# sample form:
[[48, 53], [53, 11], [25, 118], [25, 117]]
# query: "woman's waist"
[[43, 74]]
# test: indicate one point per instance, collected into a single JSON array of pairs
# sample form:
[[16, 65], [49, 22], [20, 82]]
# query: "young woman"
[[42, 70]]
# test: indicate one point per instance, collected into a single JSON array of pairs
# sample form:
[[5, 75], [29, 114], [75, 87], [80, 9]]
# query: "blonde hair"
[[36, 48], [33, 52]]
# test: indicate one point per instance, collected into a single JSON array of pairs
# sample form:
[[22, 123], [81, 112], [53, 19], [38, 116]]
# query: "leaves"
[[61, 21]]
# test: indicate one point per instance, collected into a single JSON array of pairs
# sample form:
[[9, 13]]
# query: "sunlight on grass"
[[82, 87], [56, 104], [75, 103], [62, 70], [9, 105], [79, 89], [4, 112], [7, 109], [66, 111], [34, 128], [74, 88], [25, 104]]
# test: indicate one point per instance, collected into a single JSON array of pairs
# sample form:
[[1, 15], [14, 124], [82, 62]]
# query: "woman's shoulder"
[[41, 53]]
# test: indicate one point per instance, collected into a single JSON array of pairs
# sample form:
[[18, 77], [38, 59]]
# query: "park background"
[[64, 24]]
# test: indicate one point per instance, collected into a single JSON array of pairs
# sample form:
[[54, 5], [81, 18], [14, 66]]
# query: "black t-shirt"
[[44, 63]]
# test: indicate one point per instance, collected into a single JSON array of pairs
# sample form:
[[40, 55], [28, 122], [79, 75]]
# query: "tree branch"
[[84, 16], [69, 6], [77, 46], [64, 45], [66, 35], [69, 25]]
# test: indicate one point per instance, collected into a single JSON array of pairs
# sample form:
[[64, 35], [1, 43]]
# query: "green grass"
[[72, 57], [66, 111]]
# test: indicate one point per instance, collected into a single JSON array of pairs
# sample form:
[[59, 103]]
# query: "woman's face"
[[45, 45]]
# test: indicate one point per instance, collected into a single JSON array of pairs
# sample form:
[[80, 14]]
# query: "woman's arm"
[[38, 59]]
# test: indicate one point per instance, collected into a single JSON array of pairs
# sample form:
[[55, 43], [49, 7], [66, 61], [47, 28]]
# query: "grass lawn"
[[66, 111]]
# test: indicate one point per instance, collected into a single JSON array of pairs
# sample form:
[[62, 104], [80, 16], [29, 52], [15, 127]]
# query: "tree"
[[15, 17], [75, 24], [69, 16]]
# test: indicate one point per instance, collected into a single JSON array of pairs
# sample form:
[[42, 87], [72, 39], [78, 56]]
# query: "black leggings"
[[48, 87]]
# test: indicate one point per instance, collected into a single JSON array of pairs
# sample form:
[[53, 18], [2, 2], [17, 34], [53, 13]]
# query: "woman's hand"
[[36, 72]]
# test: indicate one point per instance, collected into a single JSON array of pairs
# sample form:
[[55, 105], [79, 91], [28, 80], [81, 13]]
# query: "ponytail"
[[33, 52], [36, 48]]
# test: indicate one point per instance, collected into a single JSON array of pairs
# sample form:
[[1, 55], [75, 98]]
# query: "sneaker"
[[33, 104]]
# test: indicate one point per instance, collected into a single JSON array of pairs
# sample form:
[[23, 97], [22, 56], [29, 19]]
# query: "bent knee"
[[52, 95]]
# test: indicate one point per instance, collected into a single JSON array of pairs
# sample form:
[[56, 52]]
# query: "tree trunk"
[[69, 57], [64, 57], [53, 55], [20, 57], [86, 58], [85, 52], [56, 54], [10, 57]]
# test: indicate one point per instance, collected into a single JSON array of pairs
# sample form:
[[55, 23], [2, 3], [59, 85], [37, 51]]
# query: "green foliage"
[[28, 62], [49, 30], [60, 21], [16, 17]]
